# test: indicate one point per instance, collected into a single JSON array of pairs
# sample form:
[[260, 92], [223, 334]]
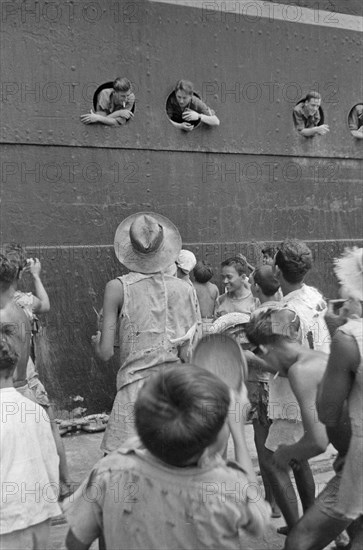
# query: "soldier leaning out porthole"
[[113, 104], [309, 117], [186, 110], [355, 121]]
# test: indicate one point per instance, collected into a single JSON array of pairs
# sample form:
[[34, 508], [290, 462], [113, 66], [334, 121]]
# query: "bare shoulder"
[[344, 348], [309, 367], [214, 290], [114, 290]]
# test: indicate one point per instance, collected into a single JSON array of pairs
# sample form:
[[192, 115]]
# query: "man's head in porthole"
[[183, 93]]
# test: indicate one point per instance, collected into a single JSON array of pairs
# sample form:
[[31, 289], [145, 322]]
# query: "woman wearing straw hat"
[[155, 312]]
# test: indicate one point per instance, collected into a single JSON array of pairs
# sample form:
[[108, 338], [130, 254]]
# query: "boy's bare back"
[[207, 294]]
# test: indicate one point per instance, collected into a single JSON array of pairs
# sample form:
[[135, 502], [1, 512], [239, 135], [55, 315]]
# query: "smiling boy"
[[238, 296]]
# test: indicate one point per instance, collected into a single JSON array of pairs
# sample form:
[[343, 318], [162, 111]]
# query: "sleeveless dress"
[[159, 315], [350, 496]]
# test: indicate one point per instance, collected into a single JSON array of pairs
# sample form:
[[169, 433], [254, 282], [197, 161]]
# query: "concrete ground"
[[83, 450]]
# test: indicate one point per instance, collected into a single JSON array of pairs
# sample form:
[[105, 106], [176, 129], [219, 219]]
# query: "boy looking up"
[[202, 502], [292, 263], [238, 296]]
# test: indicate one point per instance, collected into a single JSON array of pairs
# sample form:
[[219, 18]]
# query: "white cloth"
[[29, 464], [311, 307]]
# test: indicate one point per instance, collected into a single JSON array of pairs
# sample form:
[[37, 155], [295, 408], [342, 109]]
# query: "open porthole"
[[308, 114], [186, 110], [355, 121], [113, 104]]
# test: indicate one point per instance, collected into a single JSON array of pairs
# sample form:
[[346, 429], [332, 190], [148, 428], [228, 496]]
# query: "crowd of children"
[[194, 365]]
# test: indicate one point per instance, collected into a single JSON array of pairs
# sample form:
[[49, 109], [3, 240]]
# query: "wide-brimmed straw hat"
[[147, 242], [227, 321]]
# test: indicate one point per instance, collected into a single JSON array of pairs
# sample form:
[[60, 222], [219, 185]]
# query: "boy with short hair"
[[292, 263], [294, 436], [29, 461], [202, 502], [276, 332], [238, 296], [268, 255], [207, 292]]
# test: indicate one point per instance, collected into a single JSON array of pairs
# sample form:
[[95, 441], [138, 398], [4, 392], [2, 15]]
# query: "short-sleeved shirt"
[[175, 112], [302, 119], [140, 502], [105, 103], [29, 463], [355, 120]]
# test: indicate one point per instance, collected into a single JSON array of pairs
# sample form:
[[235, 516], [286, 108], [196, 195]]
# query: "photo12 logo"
[[32, 11]]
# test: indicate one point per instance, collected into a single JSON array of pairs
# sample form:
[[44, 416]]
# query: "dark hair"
[[266, 280], [269, 251], [203, 271], [8, 356], [262, 329], [121, 84], [294, 259], [179, 412], [312, 95], [184, 85], [15, 253], [8, 270], [238, 263]]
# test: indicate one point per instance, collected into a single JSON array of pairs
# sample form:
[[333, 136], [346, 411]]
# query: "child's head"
[[220, 354], [16, 255], [271, 330], [8, 358], [234, 273], [268, 255], [180, 412], [8, 272], [203, 272], [293, 259], [263, 281], [186, 262]]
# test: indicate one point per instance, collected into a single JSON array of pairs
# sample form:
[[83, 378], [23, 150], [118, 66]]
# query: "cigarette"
[[276, 375]]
